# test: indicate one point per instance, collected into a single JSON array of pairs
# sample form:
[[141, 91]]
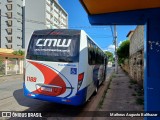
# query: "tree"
[[110, 56], [19, 52], [123, 51]]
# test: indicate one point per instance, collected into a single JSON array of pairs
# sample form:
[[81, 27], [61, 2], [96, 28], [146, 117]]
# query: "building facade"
[[43, 14], [39, 14], [137, 54], [11, 24]]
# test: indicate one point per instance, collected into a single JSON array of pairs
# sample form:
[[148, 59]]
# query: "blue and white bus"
[[63, 66]]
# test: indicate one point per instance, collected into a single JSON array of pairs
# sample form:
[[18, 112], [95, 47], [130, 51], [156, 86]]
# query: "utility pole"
[[23, 25], [116, 57]]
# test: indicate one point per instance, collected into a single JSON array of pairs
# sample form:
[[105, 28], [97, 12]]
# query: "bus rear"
[[51, 67]]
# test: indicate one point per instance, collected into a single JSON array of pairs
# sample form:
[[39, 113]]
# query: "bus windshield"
[[55, 46]]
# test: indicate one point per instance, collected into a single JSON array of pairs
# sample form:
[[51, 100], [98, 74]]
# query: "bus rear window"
[[54, 47]]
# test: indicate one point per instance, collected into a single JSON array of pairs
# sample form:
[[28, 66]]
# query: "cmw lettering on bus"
[[53, 42]]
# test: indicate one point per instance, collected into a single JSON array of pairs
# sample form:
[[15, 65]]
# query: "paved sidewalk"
[[120, 97]]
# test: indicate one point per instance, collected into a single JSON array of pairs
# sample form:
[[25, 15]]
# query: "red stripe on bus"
[[50, 78]]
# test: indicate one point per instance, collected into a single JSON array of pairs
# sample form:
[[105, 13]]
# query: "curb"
[[94, 103]]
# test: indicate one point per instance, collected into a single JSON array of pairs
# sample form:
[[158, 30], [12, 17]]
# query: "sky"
[[102, 35]]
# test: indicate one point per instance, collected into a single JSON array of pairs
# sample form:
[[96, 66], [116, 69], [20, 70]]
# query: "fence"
[[11, 66]]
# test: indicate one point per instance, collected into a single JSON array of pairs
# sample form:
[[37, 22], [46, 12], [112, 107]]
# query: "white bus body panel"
[[84, 67], [46, 72]]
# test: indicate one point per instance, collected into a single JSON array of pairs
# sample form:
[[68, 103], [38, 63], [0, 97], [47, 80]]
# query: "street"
[[12, 99]]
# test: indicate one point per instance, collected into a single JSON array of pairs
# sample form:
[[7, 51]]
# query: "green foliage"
[[1, 61], [140, 101], [133, 82], [110, 56], [2, 66], [123, 51], [19, 52]]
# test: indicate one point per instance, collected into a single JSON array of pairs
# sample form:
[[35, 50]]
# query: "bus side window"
[[90, 52], [94, 58], [98, 57], [89, 57]]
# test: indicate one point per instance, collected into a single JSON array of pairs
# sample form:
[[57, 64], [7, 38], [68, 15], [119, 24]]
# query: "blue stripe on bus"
[[78, 99]]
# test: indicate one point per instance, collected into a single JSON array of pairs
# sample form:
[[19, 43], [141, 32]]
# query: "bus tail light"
[[80, 80]]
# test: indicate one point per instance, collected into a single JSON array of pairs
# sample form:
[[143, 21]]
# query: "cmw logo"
[[53, 42]]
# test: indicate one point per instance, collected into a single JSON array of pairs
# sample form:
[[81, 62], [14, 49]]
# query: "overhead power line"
[[40, 22]]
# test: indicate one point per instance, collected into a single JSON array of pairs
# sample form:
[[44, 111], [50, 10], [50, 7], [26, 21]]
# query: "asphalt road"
[[12, 99]]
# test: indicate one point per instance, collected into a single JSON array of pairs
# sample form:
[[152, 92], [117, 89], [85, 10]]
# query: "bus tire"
[[96, 90]]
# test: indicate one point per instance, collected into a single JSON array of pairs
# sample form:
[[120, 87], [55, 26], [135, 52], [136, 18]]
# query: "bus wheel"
[[96, 90]]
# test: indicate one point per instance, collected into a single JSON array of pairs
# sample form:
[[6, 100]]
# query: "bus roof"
[[57, 32]]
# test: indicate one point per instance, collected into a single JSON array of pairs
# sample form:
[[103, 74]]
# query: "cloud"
[[119, 43], [110, 48]]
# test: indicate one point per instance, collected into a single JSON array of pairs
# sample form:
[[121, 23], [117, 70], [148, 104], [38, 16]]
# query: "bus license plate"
[[46, 89]]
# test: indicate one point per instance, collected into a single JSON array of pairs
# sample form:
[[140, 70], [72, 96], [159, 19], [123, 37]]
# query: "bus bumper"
[[78, 99]]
